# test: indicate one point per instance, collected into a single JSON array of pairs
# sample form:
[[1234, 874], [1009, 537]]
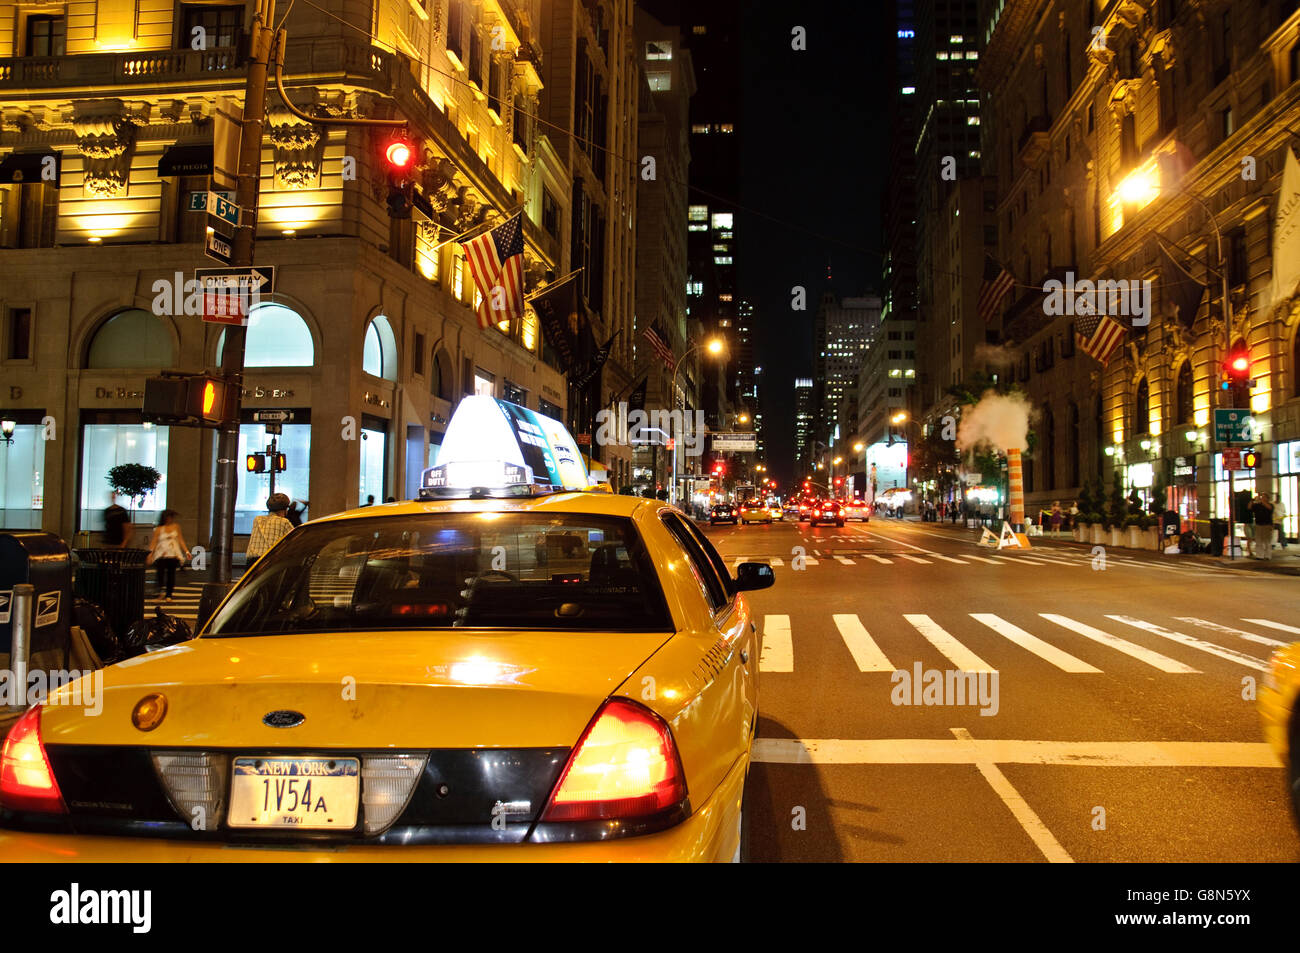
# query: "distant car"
[[826, 511], [791, 509], [805, 510], [777, 511], [751, 511], [857, 510], [1279, 712], [723, 513]]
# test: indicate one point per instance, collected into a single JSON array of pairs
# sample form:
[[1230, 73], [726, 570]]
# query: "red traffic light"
[[399, 154]]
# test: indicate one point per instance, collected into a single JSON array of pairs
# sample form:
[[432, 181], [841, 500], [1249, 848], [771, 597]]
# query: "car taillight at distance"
[[26, 778], [625, 767]]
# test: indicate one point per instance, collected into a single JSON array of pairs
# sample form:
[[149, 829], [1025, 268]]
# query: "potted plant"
[[1081, 529], [135, 481], [1116, 513], [1098, 532], [1135, 529]]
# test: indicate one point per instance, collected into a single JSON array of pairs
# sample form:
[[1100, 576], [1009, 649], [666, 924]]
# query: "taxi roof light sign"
[[494, 448]]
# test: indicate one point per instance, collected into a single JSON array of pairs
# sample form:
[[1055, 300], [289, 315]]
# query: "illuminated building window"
[[723, 220], [909, 90], [700, 127], [941, 55], [972, 120], [528, 333], [458, 285], [722, 259], [697, 227], [724, 297], [659, 50], [956, 38], [698, 213], [726, 128], [723, 247], [972, 55], [699, 30]]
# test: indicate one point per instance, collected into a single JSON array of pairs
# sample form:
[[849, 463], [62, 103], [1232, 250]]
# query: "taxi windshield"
[[497, 570]]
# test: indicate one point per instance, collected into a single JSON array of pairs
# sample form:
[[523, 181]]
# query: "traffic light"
[[1236, 378], [188, 401], [281, 464], [207, 400], [399, 161], [1249, 458], [255, 463]]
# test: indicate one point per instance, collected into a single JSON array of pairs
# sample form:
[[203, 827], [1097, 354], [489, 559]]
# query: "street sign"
[[198, 201], [272, 416], [259, 278], [220, 247], [1232, 459], [735, 442], [1233, 426], [223, 208]]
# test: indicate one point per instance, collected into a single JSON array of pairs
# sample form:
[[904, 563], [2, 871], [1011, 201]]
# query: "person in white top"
[[1279, 519], [167, 550]]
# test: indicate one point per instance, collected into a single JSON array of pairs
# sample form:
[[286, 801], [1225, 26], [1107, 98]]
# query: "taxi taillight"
[[625, 766], [26, 778]]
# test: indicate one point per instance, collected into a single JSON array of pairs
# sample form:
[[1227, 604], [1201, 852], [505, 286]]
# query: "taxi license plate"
[[306, 793]]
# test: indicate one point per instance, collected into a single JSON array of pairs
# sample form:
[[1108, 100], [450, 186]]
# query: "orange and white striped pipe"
[[1016, 486]]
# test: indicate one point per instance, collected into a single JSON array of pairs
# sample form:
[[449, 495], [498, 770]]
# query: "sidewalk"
[[1285, 562]]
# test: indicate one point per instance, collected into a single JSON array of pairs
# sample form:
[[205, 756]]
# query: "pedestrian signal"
[[256, 462]]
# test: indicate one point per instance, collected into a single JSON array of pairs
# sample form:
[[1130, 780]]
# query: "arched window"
[[277, 337], [440, 381], [1074, 443], [1184, 401], [379, 353], [131, 338], [1142, 409]]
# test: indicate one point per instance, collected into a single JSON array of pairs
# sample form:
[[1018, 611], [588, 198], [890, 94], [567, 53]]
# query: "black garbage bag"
[[93, 620], [1189, 543], [159, 632]]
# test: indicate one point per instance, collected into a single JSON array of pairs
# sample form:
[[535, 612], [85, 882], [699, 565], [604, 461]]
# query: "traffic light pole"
[[232, 356]]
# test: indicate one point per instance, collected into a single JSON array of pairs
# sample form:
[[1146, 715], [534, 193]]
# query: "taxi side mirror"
[[751, 576]]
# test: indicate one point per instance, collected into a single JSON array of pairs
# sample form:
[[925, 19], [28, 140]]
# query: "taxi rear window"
[[450, 570]]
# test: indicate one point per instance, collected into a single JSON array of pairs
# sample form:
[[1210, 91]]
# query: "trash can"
[[1218, 533], [113, 579]]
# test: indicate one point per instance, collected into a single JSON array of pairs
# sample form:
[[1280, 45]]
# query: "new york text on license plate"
[[308, 793]]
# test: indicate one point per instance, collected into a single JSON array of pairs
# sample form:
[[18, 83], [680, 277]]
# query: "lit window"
[[699, 29], [458, 284], [722, 259], [909, 373], [659, 82], [895, 372], [528, 333], [722, 219], [725, 234], [722, 247], [700, 127], [974, 153], [956, 38], [698, 213], [659, 50], [972, 55], [941, 55], [724, 297], [909, 90], [972, 120], [727, 128]]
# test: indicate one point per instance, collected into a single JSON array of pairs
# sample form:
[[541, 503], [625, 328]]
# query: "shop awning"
[[194, 159], [30, 167]]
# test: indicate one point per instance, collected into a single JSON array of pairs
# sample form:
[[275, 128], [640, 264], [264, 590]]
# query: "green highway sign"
[[1233, 426]]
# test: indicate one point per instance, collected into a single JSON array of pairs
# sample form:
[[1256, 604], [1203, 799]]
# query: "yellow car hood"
[[425, 689]]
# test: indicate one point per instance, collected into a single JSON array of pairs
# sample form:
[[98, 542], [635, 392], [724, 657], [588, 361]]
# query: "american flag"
[[998, 283], [496, 260], [659, 345], [1098, 335]]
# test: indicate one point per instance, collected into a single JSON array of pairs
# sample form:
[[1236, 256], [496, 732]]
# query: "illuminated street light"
[[859, 447], [1139, 188]]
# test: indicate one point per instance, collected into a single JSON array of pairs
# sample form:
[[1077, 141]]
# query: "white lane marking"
[[778, 561], [985, 559], [948, 559], [866, 653], [1044, 650], [809, 561], [1019, 807], [1228, 630], [1273, 625], [1024, 559], [1241, 658], [1085, 754], [1142, 654], [880, 559], [778, 647], [958, 654], [915, 559], [844, 561], [1053, 559]]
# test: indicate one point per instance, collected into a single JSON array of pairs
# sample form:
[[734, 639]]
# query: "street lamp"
[[7, 431], [713, 346]]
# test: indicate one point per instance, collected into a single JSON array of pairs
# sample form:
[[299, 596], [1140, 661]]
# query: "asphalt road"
[[1118, 724]]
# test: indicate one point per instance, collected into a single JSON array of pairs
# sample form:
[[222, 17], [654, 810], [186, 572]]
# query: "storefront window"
[[22, 478], [374, 452], [277, 337], [379, 353], [484, 383], [104, 446], [1288, 484], [515, 394], [255, 488], [548, 409], [133, 338], [1241, 480]]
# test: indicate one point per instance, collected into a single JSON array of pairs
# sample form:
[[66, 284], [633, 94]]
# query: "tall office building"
[[842, 331], [805, 416]]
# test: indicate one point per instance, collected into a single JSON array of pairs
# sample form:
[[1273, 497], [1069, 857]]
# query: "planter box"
[[1151, 539], [1135, 536], [1118, 536], [1099, 535], [1082, 534]]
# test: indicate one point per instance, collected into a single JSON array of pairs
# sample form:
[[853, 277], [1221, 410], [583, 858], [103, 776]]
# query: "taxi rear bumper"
[[709, 834]]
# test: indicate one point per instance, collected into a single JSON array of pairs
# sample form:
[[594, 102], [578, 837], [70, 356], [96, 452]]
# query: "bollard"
[[21, 646]]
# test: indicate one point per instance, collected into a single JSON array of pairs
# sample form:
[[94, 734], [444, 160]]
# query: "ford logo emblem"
[[283, 719]]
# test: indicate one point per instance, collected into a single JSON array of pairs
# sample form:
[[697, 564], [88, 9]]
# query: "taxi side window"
[[715, 589], [718, 562]]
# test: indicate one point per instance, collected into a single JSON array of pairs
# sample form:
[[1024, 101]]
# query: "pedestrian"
[[297, 512], [167, 550], [1279, 519], [1057, 516], [370, 500], [117, 525], [1261, 511], [269, 528], [1074, 513]]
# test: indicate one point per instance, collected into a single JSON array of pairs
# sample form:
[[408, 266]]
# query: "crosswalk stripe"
[[844, 561], [866, 653], [936, 635], [1228, 630], [1047, 652], [1240, 658], [985, 559], [880, 559], [947, 559], [778, 561], [1273, 625], [915, 559], [809, 561], [1155, 659], [1025, 559], [777, 654]]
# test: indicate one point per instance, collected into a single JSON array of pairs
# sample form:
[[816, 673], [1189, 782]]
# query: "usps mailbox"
[[41, 559]]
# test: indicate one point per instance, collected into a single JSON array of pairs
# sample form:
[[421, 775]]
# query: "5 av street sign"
[[223, 208]]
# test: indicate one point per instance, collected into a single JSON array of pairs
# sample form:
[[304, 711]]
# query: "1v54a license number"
[[308, 793]]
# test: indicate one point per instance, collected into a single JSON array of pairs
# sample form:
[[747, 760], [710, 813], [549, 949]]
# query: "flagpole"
[[551, 286]]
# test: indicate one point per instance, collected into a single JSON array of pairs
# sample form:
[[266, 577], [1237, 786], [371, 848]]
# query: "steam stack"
[[1016, 486]]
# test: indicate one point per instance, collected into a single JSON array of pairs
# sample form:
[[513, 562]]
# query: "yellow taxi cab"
[[503, 670], [754, 511], [1279, 711]]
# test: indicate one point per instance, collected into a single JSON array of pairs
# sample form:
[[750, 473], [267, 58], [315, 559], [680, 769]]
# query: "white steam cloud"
[[998, 420]]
